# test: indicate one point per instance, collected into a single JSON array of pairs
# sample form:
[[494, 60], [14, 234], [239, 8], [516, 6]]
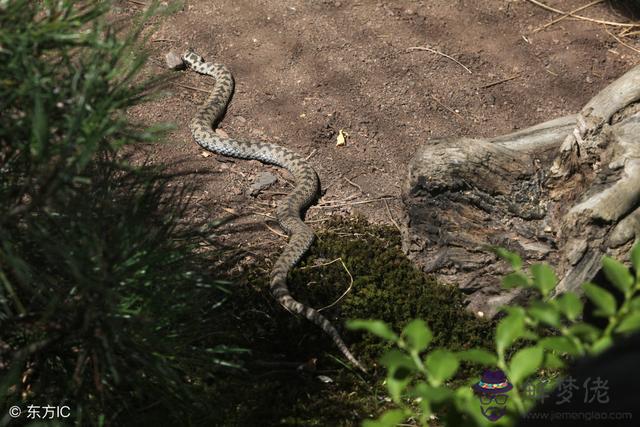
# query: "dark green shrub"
[[106, 306]]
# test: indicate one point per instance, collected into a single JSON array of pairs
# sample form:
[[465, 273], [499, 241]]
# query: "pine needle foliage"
[[106, 301]]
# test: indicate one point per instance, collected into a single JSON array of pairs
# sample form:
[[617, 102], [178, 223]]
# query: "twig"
[[311, 154], [163, 40], [337, 205], [345, 269], [311, 221], [138, 2], [446, 107], [584, 18], [566, 15], [264, 215], [620, 41], [437, 52], [353, 183], [499, 82], [276, 232], [193, 88], [391, 216], [346, 199], [324, 264]]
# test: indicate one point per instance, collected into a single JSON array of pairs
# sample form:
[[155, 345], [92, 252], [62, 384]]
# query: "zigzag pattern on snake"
[[288, 212]]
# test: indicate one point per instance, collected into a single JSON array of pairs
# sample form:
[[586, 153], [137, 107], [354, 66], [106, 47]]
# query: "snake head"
[[191, 58]]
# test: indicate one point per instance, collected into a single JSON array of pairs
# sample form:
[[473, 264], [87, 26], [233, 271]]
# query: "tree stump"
[[565, 192]]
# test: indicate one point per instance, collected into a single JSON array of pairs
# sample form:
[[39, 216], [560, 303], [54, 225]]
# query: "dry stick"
[[499, 82], [630, 33], [353, 183], [584, 18], [312, 153], [193, 88], [345, 269], [338, 205], [346, 199], [391, 216], [620, 41], [566, 15], [446, 107], [138, 2], [428, 49], [276, 232]]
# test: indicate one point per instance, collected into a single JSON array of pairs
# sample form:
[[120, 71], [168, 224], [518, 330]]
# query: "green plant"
[[546, 335], [107, 302]]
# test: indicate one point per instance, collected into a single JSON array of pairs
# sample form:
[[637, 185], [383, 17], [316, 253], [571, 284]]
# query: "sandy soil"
[[306, 69]]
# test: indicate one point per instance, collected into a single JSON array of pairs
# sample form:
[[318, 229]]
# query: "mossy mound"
[[386, 286]]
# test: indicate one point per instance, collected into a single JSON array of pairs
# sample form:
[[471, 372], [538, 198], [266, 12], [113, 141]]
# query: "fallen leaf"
[[206, 154], [341, 140]]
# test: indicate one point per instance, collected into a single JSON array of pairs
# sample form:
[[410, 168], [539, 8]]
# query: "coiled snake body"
[[288, 212]]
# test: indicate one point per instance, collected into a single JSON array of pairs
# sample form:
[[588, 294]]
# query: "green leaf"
[[400, 369], [602, 344], [560, 344], [432, 394], [570, 305], [524, 363], [601, 298], [585, 331], [634, 304], [512, 257], [479, 356], [630, 323], [39, 127], [441, 365], [617, 274], [544, 278], [516, 279], [396, 359], [545, 313], [376, 327], [390, 418], [635, 258], [417, 334], [509, 329], [552, 361]]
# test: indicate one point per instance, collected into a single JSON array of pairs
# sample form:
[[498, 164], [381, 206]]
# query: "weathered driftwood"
[[564, 192]]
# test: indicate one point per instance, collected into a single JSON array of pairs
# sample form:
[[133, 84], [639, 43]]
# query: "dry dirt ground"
[[306, 69]]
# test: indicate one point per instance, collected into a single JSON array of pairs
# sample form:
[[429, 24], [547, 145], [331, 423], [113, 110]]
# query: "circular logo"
[[15, 411]]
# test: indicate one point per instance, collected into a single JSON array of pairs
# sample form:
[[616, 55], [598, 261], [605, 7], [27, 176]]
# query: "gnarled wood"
[[565, 192]]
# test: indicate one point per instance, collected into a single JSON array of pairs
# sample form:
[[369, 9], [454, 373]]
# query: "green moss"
[[386, 286]]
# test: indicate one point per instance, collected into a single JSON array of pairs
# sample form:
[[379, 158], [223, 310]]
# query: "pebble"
[[263, 181], [173, 61]]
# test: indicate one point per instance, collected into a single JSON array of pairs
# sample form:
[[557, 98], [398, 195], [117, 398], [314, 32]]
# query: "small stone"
[[263, 181], [173, 61], [241, 119], [222, 133]]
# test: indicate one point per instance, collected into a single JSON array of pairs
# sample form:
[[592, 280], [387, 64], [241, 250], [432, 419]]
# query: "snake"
[[289, 212]]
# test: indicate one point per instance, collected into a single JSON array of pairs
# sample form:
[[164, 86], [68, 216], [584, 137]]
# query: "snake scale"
[[288, 212]]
